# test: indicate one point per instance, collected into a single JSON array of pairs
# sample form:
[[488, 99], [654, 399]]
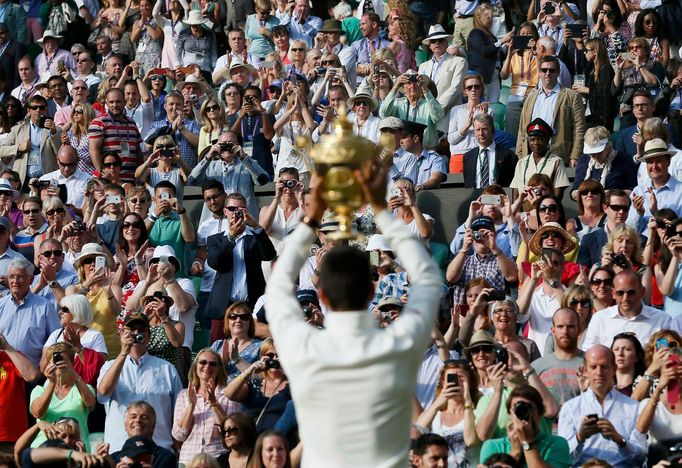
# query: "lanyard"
[[523, 66], [544, 163], [251, 128]]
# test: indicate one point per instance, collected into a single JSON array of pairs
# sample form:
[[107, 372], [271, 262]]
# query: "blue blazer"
[[623, 173]]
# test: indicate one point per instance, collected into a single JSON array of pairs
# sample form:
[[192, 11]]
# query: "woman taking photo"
[[103, 294], [591, 216], [167, 335], [146, 37], [239, 349], [656, 353], [202, 408], [482, 52], [649, 26], [164, 163], [239, 437], [658, 256], [610, 28], [264, 396], [271, 451], [623, 251], [601, 286], [503, 316], [404, 203], [522, 66], [297, 121], [64, 394], [599, 76], [172, 26], [461, 129], [215, 123], [451, 415], [77, 135], [283, 213], [629, 361], [670, 286]]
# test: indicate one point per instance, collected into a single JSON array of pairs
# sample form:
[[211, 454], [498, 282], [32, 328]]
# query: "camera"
[[41, 121], [497, 295], [377, 69], [537, 191], [308, 312], [413, 78], [522, 410], [501, 355], [290, 183], [620, 260], [57, 357], [671, 231], [43, 184], [272, 364], [249, 99], [675, 457], [477, 236], [549, 9], [139, 338], [79, 226], [385, 316], [320, 70], [226, 147], [239, 214], [167, 153]]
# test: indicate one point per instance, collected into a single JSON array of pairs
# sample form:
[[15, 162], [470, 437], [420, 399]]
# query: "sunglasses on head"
[[600, 281], [50, 253], [243, 317], [548, 208]]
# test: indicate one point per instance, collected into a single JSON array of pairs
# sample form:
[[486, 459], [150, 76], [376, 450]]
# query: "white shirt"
[[142, 114], [620, 410], [540, 312], [206, 229], [75, 185], [91, 339], [355, 377], [427, 376], [609, 322], [545, 105], [240, 291], [491, 164]]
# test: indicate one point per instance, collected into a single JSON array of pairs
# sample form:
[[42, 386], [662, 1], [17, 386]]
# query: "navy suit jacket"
[[624, 144], [505, 163], [257, 248], [623, 173]]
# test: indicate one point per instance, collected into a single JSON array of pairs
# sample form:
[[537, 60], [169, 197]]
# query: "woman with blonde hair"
[[201, 409], [623, 251], [402, 33], [419, 224], [169, 166], [297, 121], [461, 128], [656, 352], [203, 460], [215, 123], [297, 54], [240, 348], [599, 76], [76, 135]]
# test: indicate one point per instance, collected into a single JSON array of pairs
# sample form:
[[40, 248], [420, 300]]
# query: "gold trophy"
[[337, 156]]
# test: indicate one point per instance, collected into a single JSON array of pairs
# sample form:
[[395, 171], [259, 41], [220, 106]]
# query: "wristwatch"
[[525, 445], [53, 284]]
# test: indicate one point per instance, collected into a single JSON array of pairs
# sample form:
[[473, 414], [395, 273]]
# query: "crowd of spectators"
[[134, 334]]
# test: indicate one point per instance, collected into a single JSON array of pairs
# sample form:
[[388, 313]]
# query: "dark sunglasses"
[[7, 193], [50, 253], [243, 317], [134, 224], [298, 49], [620, 207], [210, 198], [228, 431], [600, 281], [205, 362], [37, 107], [547, 235], [590, 191], [135, 201], [78, 112], [64, 310], [215, 107], [112, 164], [67, 164], [629, 292], [472, 87], [329, 62], [549, 70], [31, 211], [232, 209], [88, 261], [165, 147], [157, 78], [548, 208], [56, 210], [484, 348], [582, 302], [361, 102]]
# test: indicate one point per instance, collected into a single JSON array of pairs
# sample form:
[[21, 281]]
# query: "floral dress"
[[161, 347], [148, 51], [248, 354], [81, 146]]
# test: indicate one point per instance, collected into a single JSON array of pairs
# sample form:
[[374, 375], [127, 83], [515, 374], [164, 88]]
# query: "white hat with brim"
[[237, 64], [50, 33], [595, 148], [6, 186], [195, 18], [654, 148], [189, 79], [373, 103], [436, 32], [44, 78], [93, 249], [165, 251]]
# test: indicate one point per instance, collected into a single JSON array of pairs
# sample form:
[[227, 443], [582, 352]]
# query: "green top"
[[167, 231], [503, 417], [351, 27], [553, 449]]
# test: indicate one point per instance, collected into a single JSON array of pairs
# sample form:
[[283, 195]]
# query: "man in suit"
[[445, 71], [13, 52], [561, 107], [487, 164], [30, 148], [236, 257], [642, 109]]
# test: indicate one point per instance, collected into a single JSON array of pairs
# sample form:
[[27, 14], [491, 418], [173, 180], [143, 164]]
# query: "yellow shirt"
[[104, 321]]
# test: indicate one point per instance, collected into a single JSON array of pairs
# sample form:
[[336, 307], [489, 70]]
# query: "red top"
[[14, 419]]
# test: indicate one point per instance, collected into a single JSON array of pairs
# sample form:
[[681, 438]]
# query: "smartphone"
[[520, 42], [674, 385], [671, 231], [185, 70], [453, 379], [577, 30], [163, 259], [547, 253], [497, 295], [54, 183], [662, 343], [41, 121], [159, 71], [501, 355], [579, 80], [594, 417], [165, 196], [396, 192], [100, 262], [374, 258], [491, 200], [267, 64], [57, 357], [60, 65], [626, 55], [115, 199]]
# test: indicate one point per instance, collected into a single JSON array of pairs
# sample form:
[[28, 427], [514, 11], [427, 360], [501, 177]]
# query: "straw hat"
[[373, 103], [653, 148], [50, 33], [93, 249], [535, 244]]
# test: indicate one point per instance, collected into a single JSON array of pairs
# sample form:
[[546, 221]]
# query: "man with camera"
[[524, 441], [226, 162], [69, 175], [134, 375], [31, 146], [184, 130], [601, 423], [629, 314], [486, 261]]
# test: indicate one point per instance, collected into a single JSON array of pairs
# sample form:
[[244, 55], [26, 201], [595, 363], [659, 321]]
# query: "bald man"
[[69, 175], [629, 314], [601, 423], [559, 370]]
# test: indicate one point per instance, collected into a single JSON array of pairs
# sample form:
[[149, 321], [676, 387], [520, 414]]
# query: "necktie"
[[485, 169]]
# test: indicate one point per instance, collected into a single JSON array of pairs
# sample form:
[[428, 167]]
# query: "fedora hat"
[[373, 103], [6, 186], [535, 243], [481, 337], [436, 32], [653, 148], [189, 79], [238, 63], [50, 33], [332, 26], [92, 249], [195, 18]]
